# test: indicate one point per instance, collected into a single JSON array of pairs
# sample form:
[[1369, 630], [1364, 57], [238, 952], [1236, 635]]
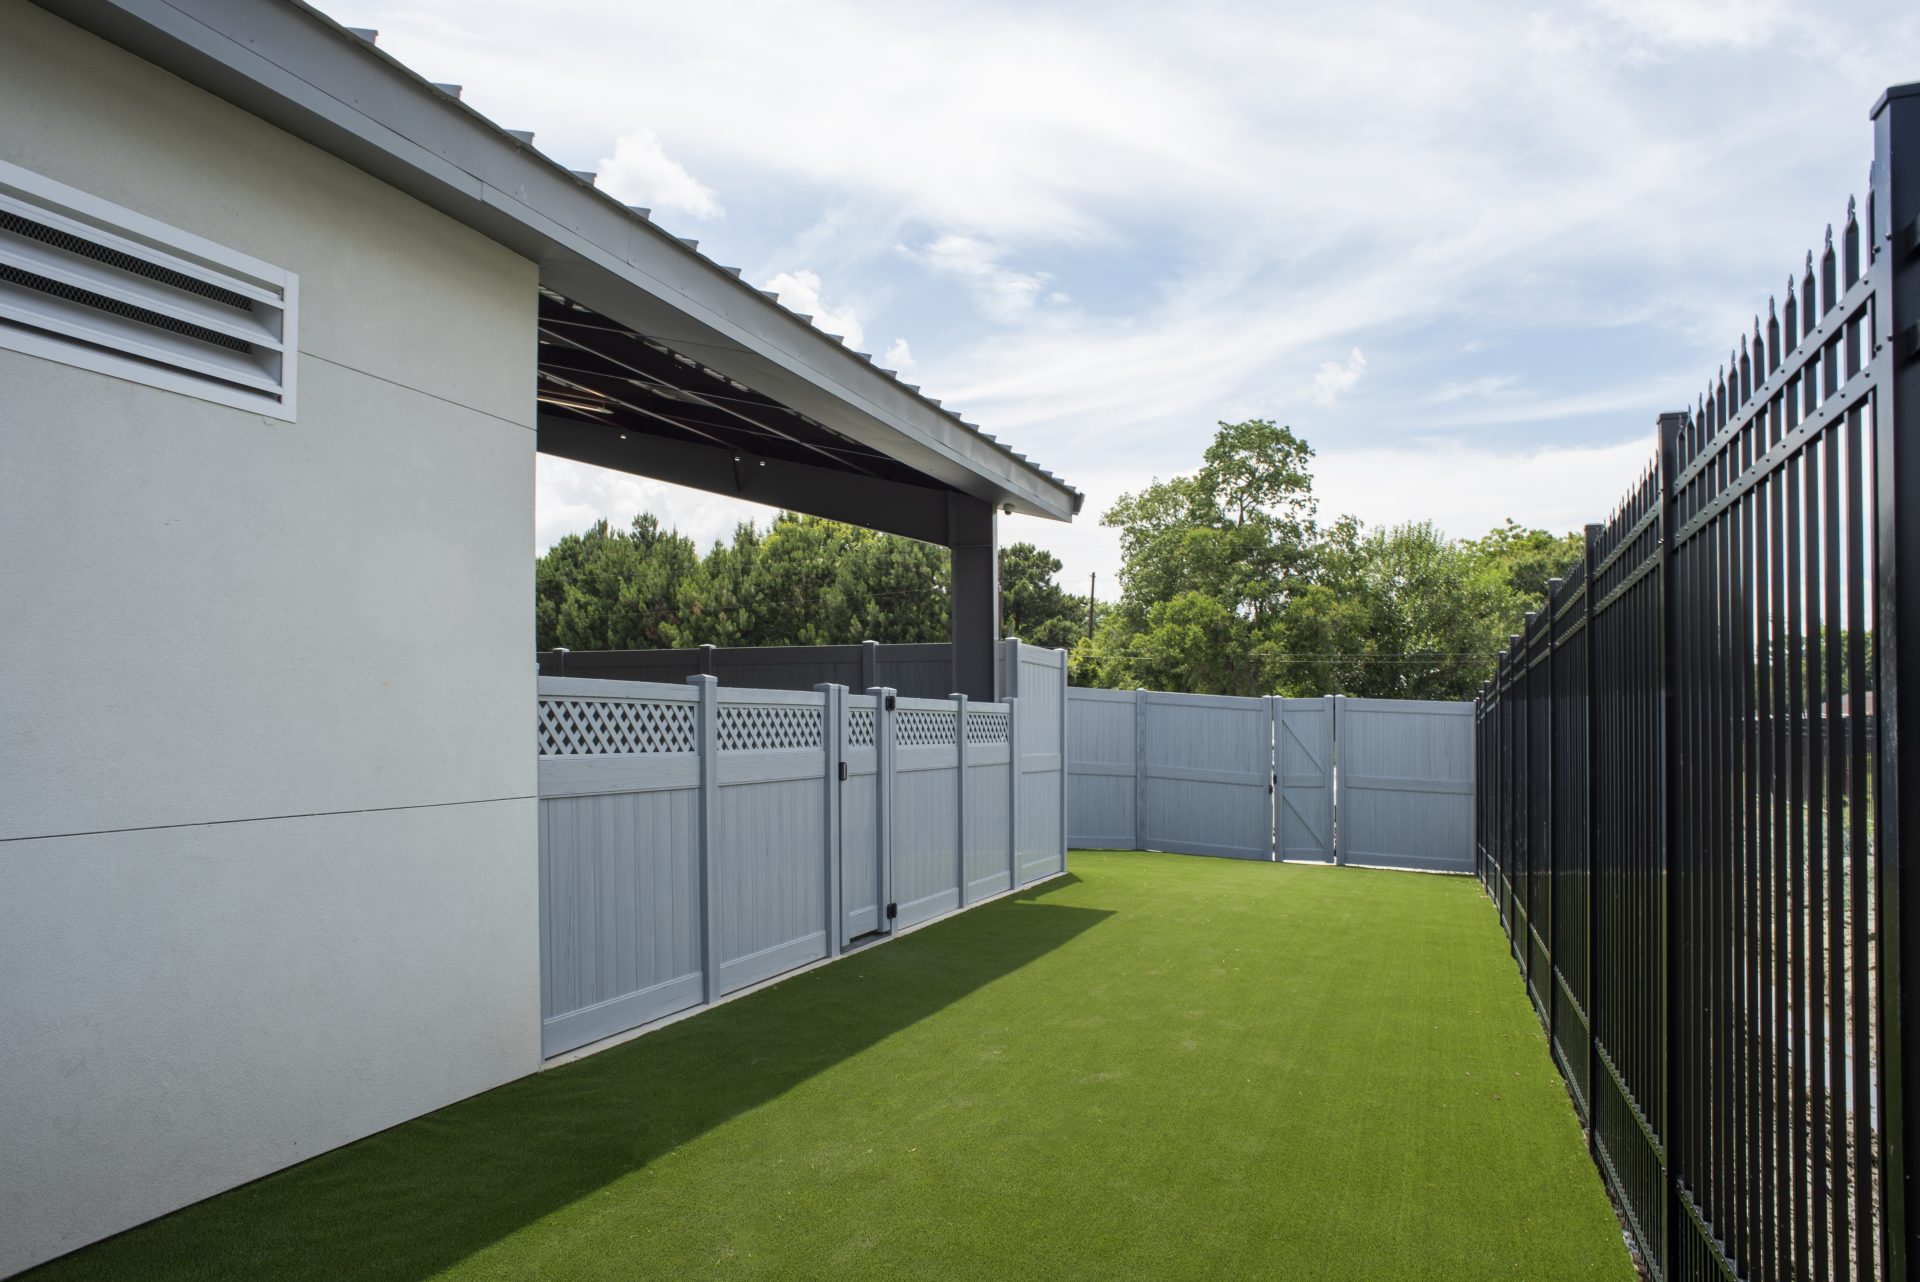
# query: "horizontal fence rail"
[[696, 840], [1690, 800], [921, 670]]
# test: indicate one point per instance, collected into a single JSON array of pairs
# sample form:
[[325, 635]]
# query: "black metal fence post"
[[1591, 568], [1550, 937], [1893, 236], [1669, 427]]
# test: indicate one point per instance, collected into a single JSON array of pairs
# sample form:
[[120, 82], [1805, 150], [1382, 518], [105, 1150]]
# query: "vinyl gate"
[[1102, 733], [696, 840], [1406, 784], [1205, 771], [1036, 680], [1383, 782], [1303, 766]]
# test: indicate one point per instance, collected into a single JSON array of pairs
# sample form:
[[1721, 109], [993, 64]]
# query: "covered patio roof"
[[616, 398]]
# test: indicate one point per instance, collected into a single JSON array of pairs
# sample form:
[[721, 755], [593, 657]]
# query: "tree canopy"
[[1229, 584], [800, 581]]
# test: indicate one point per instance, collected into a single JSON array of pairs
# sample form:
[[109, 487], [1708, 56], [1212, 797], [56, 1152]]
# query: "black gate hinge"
[[843, 772], [893, 910], [1906, 344]]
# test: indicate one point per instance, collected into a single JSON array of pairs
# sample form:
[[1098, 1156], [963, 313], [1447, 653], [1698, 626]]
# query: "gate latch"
[[843, 772]]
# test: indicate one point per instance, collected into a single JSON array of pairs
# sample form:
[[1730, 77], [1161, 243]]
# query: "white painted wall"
[[267, 817]]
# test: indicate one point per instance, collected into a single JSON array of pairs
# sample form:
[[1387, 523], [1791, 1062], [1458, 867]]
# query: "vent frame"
[[150, 330]]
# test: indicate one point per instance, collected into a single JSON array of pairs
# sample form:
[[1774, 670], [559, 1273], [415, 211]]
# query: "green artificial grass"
[[1159, 1067]]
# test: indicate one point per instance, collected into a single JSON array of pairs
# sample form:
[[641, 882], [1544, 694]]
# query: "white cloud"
[[1486, 387], [640, 172], [801, 291], [898, 356], [1467, 489], [1001, 292], [1334, 379], [1693, 24]]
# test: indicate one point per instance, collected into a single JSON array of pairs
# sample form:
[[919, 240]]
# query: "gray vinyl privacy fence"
[[697, 839], [1382, 782]]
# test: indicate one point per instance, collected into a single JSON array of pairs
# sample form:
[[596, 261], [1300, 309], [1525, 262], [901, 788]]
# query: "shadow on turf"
[[411, 1201]]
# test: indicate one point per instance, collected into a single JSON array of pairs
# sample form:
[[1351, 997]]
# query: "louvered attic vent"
[[91, 284]]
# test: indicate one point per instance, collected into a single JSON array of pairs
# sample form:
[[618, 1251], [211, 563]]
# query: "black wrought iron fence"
[[1690, 795]]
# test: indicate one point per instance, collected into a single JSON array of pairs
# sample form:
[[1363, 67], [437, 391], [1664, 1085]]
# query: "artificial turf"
[[1158, 1067]]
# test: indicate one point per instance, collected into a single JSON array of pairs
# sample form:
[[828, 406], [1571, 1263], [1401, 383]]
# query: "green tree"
[[616, 590], [800, 581], [1528, 557], [1033, 605], [1402, 612], [889, 588], [1239, 534]]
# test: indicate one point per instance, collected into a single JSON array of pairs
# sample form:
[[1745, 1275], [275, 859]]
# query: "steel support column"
[[973, 539]]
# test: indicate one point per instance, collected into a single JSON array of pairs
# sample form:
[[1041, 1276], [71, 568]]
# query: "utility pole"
[[1090, 582]]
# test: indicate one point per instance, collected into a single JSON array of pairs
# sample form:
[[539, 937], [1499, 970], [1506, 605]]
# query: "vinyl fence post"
[[709, 660], [1273, 777], [707, 687], [883, 781], [869, 664], [1139, 769], [1013, 793], [1893, 232], [833, 737], [1009, 673], [1339, 828], [1063, 758], [1330, 774], [960, 797]]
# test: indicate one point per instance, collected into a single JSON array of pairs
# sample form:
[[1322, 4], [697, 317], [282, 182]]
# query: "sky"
[[1467, 251]]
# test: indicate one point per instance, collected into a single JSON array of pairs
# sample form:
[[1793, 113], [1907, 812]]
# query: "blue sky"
[[1468, 251]]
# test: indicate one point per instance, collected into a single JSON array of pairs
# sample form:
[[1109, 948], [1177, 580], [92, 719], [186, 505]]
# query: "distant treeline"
[[1229, 585]]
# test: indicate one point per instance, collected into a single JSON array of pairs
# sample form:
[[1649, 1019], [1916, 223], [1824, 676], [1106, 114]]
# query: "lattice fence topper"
[[588, 727], [986, 727], [860, 732], [924, 728], [760, 726]]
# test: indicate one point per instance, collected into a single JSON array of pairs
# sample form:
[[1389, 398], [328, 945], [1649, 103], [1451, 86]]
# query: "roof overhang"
[[295, 68]]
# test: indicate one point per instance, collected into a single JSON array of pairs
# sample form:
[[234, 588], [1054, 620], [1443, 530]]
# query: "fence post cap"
[[1890, 93]]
